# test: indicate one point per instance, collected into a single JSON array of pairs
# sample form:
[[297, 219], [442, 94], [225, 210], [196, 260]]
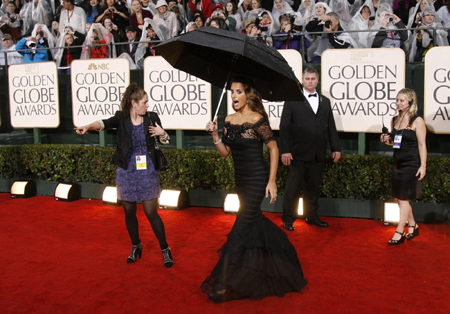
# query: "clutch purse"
[[161, 163]]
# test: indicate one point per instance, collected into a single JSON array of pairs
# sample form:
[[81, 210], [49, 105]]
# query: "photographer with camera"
[[287, 37], [45, 38], [118, 13], [118, 34], [13, 21], [424, 39], [67, 54], [363, 20], [32, 54], [332, 40], [178, 10], [227, 23], [97, 42], [389, 36]]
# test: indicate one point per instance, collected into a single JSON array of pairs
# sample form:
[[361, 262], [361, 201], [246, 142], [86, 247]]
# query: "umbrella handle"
[[220, 102]]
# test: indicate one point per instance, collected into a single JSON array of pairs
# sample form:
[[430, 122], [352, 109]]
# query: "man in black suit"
[[133, 41], [305, 129]]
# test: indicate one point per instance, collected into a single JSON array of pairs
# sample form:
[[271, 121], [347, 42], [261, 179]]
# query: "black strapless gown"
[[405, 185], [257, 260]]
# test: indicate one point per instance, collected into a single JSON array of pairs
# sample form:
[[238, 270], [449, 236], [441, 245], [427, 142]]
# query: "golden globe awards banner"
[[275, 108], [362, 85], [33, 95], [182, 101], [97, 88], [437, 90]]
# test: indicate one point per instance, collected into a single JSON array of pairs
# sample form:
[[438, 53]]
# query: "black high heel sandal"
[[415, 233], [396, 242], [168, 259], [135, 251]]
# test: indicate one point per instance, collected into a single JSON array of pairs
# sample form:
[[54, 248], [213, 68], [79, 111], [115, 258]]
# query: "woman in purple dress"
[[136, 177]]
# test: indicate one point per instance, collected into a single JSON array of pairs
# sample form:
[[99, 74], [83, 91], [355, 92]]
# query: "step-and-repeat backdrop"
[[362, 85]]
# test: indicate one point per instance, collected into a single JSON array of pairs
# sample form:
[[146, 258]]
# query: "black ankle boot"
[[168, 260], [135, 251]]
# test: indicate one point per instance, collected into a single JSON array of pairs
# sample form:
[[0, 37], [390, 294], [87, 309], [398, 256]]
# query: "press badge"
[[141, 162], [397, 141]]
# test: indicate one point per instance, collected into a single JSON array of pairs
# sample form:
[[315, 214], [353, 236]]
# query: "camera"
[[96, 38], [261, 28], [216, 13], [390, 19], [13, 19], [41, 33], [372, 18], [294, 26], [328, 24], [32, 45], [111, 10]]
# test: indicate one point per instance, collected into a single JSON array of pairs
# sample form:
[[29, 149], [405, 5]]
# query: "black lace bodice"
[[260, 131]]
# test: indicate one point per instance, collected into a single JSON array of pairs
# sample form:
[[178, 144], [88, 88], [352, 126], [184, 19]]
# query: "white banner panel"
[[97, 88], [33, 95], [437, 90], [275, 108], [362, 85], [182, 101]]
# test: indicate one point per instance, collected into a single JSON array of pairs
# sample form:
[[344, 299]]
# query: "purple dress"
[[137, 185]]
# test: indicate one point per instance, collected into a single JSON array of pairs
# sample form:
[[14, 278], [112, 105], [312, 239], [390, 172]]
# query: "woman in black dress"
[[136, 177], [410, 161], [257, 260]]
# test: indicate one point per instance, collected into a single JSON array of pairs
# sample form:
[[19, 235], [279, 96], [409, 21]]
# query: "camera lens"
[[327, 24], [95, 37]]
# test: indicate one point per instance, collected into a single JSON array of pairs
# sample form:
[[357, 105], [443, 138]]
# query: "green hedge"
[[354, 176]]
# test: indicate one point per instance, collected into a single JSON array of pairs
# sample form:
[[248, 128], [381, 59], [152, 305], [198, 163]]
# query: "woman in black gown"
[[257, 260], [410, 161]]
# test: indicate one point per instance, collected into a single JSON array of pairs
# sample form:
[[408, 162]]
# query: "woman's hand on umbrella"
[[211, 127], [156, 130]]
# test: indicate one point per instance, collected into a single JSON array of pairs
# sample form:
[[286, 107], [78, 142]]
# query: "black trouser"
[[309, 176], [150, 209]]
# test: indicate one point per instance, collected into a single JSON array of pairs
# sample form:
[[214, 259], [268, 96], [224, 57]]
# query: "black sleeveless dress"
[[257, 260], [405, 185]]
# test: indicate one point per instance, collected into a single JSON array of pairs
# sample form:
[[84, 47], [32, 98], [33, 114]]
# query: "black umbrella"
[[216, 55]]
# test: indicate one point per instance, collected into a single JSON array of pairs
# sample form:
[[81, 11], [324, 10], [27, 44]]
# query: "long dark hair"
[[233, 11], [254, 99], [133, 92]]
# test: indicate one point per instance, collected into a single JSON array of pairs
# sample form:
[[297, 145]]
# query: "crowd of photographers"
[[86, 29]]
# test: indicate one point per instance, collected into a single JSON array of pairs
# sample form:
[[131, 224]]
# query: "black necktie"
[[312, 95]]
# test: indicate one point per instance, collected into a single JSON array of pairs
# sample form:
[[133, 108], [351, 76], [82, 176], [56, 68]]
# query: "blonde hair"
[[411, 97]]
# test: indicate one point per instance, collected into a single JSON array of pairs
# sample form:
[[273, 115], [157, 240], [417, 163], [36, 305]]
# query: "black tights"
[[150, 209]]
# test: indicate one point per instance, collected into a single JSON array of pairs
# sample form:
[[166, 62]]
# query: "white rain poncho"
[[162, 33], [13, 57], [279, 9], [306, 9], [47, 34], [360, 23], [33, 13], [104, 35], [417, 9], [439, 40], [379, 17]]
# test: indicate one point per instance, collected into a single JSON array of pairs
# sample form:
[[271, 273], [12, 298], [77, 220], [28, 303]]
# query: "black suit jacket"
[[135, 45], [124, 141], [305, 134]]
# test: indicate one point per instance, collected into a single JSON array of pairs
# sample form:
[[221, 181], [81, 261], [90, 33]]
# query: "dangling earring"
[[247, 101]]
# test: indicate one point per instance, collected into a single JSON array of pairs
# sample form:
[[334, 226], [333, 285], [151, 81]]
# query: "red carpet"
[[59, 257]]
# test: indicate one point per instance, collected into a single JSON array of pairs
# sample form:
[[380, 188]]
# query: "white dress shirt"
[[313, 101]]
